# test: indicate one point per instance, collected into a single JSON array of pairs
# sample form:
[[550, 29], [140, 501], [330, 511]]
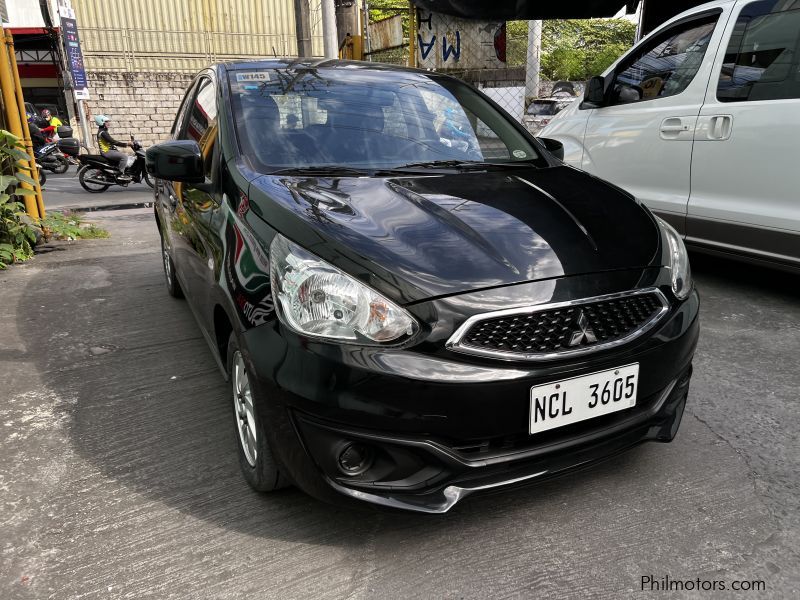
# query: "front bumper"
[[439, 426]]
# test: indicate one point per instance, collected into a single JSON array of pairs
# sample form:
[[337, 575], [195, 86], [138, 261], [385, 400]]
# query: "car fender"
[[569, 128]]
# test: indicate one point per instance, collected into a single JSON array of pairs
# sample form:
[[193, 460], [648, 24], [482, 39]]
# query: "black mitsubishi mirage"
[[412, 298]]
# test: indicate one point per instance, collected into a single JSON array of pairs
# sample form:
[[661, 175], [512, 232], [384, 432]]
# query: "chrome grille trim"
[[455, 342]]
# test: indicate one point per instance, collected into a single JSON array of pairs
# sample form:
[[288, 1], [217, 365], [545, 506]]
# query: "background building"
[[39, 56], [140, 56]]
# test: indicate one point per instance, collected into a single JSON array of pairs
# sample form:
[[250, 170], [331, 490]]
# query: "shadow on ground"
[[149, 416], [153, 412]]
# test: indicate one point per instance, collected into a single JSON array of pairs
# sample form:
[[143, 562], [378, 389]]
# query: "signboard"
[[387, 33], [72, 45], [445, 42]]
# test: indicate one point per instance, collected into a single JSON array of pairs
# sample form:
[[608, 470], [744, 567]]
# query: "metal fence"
[[502, 58]]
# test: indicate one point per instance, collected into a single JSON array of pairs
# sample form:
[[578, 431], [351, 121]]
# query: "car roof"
[[695, 10]]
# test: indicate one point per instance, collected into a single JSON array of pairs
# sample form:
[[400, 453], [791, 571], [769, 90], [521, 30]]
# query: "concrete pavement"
[[119, 478], [64, 192]]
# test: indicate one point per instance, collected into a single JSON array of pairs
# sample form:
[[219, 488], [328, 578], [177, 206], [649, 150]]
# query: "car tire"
[[173, 287], [256, 459]]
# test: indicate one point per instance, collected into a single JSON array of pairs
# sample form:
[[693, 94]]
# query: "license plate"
[[580, 398]]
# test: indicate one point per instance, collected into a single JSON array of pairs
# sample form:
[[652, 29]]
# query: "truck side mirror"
[[595, 95]]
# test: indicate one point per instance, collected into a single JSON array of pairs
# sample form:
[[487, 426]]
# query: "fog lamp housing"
[[354, 459]]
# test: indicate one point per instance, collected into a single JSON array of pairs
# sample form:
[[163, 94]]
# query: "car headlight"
[[319, 300], [678, 262]]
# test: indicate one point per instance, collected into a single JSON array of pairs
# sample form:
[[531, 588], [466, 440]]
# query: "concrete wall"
[[143, 104]]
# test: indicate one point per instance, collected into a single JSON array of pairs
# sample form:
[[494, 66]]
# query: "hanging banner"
[[445, 42], [72, 45]]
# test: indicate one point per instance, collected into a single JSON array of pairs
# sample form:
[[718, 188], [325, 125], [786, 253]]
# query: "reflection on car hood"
[[417, 237]]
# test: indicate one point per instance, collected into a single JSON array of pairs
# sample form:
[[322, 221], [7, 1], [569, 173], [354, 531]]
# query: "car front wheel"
[[255, 457], [173, 287]]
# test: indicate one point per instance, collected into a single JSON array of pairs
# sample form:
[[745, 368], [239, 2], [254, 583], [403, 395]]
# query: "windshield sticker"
[[257, 76], [520, 154]]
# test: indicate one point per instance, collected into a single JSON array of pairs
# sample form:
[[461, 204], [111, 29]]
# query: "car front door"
[[641, 139], [170, 213], [196, 204], [744, 168]]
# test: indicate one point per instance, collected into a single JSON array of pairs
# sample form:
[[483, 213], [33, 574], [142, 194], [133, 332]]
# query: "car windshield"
[[539, 107], [367, 119]]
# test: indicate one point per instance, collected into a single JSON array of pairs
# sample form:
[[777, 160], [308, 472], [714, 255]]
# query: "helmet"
[[101, 120], [46, 114]]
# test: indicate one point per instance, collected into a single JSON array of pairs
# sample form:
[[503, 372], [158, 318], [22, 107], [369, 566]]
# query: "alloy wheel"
[[243, 408], [167, 263]]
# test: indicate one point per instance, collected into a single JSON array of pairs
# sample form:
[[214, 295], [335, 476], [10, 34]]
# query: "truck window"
[[762, 61], [667, 64]]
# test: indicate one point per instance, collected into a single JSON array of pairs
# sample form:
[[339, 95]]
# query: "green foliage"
[[17, 236], [383, 9], [70, 226], [573, 50]]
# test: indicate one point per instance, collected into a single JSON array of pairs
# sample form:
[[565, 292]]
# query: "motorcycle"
[[97, 174], [50, 158], [42, 175]]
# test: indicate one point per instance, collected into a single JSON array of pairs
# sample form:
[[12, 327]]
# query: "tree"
[[573, 49]]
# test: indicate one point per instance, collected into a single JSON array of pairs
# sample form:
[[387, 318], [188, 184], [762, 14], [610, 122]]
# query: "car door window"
[[762, 61], [201, 125], [180, 117], [666, 65]]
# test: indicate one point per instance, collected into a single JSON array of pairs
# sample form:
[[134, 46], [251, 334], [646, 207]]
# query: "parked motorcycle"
[[50, 158], [97, 174]]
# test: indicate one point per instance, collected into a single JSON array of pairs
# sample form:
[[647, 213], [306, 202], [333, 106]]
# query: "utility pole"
[[365, 15], [533, 62], [329, 37], [346, 19], [302, 16], [14, 106]]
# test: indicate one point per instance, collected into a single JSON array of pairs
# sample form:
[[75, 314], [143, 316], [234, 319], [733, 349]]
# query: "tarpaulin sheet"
[[493, 10]]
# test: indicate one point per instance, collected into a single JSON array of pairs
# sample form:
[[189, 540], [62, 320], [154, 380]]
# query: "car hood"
[[418, 237]]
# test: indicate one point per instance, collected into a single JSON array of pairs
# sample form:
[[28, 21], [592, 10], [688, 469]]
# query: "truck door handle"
[[673, 127], [720, 127]]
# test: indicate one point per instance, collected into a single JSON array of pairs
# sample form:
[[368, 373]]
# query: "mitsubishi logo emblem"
[[584, 334]]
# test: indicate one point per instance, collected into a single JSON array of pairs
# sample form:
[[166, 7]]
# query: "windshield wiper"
[[461, 164], [320, 169]]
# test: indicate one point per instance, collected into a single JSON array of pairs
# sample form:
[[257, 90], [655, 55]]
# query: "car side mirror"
[[595, 95], [554, 147], [176, 160]]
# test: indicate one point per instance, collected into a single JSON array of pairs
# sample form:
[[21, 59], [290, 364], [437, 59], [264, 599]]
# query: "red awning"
[[27, 30], [38, 71]]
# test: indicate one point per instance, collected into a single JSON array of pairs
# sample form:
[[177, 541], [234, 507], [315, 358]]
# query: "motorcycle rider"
[[53, 123], [37, 137], [108, 146]]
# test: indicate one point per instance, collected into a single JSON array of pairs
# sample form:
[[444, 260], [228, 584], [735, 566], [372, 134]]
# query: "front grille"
[[567, 328]]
